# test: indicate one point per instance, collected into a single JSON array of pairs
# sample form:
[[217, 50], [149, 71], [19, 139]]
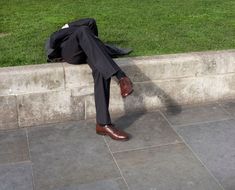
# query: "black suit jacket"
[[53, 49]]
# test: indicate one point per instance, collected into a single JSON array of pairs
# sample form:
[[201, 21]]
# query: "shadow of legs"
[[141, 91]]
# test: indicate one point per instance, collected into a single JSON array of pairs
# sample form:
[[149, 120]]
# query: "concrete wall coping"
[[57, 76]]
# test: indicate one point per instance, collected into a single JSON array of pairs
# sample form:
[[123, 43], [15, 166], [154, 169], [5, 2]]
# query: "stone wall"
[[55, 92]]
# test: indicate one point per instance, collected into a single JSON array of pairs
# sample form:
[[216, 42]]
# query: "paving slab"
[[214, 143], [16, 176], [109, 184], [229, 106], [171, 167], [145, 129], [69, 154], [197, 113], [13, 146]]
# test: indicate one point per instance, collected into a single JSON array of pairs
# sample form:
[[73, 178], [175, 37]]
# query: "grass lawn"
[[150, 27]]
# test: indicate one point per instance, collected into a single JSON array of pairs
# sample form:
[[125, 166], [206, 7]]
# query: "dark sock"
[[120, 74]]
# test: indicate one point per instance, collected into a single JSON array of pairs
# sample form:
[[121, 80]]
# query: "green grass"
[[150, 27]]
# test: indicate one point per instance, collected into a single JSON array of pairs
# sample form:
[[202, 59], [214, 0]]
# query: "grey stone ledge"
[[47, 93]]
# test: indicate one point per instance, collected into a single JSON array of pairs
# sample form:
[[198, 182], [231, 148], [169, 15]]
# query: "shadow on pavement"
[[140, 92]]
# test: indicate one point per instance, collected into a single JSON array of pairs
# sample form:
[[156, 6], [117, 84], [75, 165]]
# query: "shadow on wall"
[[141, 92]]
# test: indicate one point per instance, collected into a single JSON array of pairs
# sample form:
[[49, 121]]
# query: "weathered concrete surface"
[[8, 112], [150, 95], [142, 69], [49, 107], [77, 76], [51, 93], [31, 79], [179, 65]]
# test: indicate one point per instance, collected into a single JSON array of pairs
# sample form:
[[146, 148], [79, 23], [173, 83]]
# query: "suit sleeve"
[[58, 37], [90, 22]]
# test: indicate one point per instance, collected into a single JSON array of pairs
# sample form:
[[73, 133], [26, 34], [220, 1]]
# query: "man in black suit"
[[77, 43]]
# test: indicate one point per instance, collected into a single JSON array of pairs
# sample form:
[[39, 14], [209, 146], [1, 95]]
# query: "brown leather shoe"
[[111, 131], [126, 86]]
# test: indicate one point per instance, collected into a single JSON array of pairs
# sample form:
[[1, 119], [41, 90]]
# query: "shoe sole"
[[105, 134], [124, 96]]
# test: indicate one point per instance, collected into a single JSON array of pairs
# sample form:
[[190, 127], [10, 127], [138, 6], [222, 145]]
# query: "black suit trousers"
[[84, 45]]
